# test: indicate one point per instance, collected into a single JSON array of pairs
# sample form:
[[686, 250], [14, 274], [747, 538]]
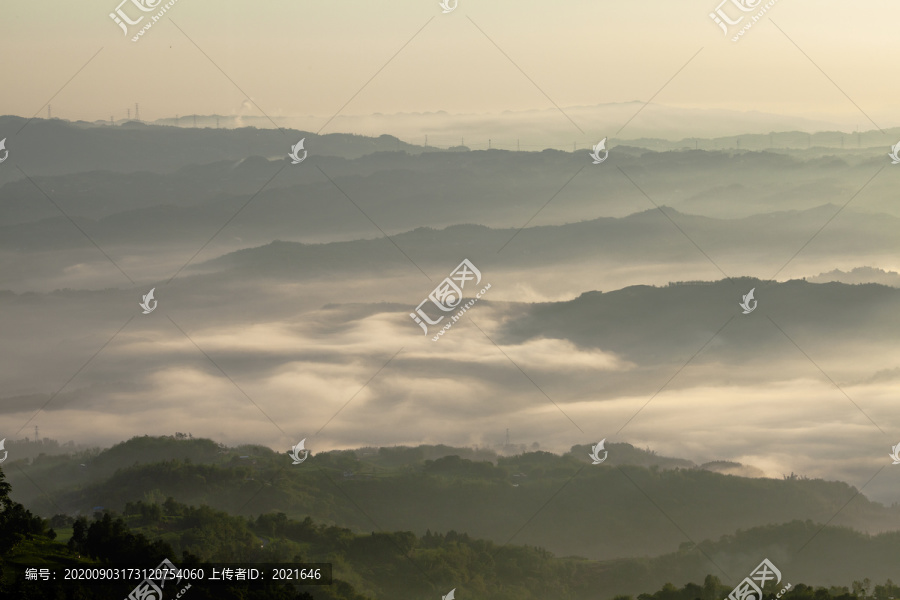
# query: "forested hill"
[[405, 566], [413, 522], [622, 508]]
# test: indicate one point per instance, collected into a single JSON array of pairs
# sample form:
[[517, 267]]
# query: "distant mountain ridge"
[[859, 275], [643, 236], [54, 147], [544, 125]]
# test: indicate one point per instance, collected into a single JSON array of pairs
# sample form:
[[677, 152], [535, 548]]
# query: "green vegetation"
[[442, 488], [193, 501]]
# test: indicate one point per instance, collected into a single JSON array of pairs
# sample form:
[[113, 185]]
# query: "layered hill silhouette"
[[639, 238], [636, 504], [140, 184], [55, 146], [401, 564], [859, 275]]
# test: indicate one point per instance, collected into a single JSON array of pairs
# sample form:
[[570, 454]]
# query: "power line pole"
[[137, 111]]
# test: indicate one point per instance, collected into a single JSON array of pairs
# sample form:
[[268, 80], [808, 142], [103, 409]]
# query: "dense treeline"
[[443, 488], [712, 589], [181, 497], [396, 565], [17, 523], [28, 541], [109, 540]]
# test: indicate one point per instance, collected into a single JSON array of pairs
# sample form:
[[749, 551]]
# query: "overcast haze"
[[716, 280], [298, 59]]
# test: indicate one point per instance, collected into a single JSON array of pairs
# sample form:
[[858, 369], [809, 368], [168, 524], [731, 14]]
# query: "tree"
[[5, 488], [60, 520], [110, 541], [711, 586], [171, 508], [16, 522], [151, 513], [79, 528]]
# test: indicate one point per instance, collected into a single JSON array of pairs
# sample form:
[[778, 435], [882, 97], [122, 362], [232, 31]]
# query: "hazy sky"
[[295, 59], [310, 58]]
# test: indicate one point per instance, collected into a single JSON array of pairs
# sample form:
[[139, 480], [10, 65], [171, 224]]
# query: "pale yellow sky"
[[298, 58]]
